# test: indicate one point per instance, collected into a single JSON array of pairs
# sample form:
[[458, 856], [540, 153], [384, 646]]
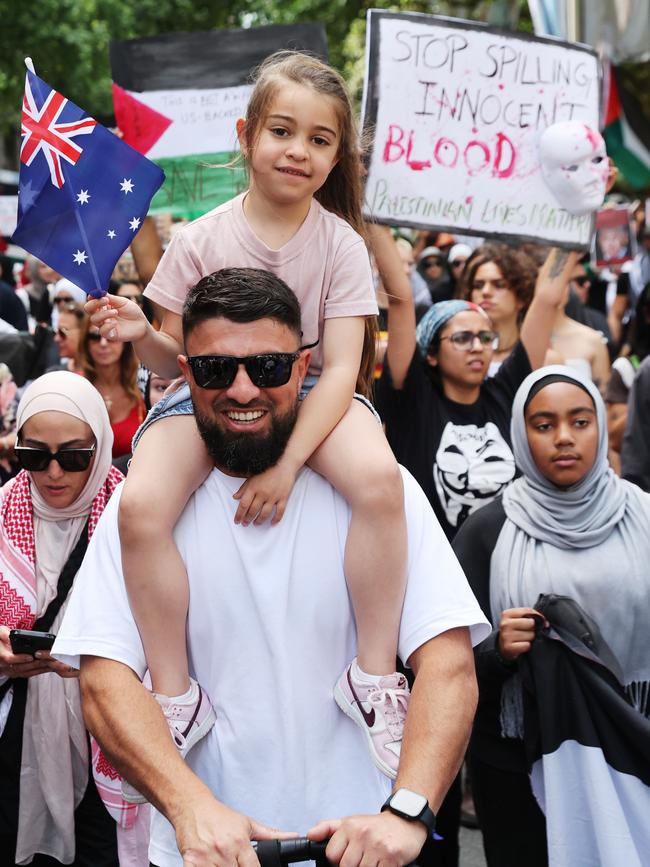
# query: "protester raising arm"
[[401, 309], [550, 287]]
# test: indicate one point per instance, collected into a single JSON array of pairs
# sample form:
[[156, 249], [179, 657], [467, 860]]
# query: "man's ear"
[[185, 368], [303, 365], [241, 135]]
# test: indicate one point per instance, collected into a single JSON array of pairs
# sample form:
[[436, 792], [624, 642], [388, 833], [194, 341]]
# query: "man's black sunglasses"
[[70, 460], [267, 370]]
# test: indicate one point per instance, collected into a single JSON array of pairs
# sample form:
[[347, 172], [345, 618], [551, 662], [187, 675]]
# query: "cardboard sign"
[[177, 98], [456, 111]]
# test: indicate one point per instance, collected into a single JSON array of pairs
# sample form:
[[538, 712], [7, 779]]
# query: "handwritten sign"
[[456, 111]]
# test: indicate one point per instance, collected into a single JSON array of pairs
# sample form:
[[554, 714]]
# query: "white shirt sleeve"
[[98, 619], [438, 596]]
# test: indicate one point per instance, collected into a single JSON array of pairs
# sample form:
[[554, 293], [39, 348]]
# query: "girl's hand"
[[261, 494], [517, 631], [18, 664], [118, 319]]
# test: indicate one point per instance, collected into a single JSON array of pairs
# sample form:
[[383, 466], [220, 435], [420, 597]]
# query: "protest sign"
[[615, 242], [177, 98], [456, 111], [8, 215]]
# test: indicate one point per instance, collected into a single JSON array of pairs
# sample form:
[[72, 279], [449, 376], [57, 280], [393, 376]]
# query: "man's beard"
[[246, 454]]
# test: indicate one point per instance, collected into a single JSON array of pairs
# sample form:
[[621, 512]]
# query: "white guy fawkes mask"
[[574, 165]]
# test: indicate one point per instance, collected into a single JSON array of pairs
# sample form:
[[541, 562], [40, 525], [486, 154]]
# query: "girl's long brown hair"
[[342, 192], [128, 363]]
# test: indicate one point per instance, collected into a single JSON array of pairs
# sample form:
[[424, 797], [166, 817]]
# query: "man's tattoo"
[[558, 262]]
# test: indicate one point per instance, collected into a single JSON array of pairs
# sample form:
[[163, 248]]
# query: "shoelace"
[[393, 703]]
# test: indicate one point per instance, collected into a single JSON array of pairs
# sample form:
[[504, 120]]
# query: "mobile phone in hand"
[[29, 640]]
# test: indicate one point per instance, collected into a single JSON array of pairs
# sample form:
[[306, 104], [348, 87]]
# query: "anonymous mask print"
[[473, 464], [574, 166]]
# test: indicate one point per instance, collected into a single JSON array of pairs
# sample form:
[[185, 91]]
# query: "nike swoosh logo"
[[369, 716]]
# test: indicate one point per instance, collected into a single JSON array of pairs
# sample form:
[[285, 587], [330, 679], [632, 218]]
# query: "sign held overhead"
[[456, 111]]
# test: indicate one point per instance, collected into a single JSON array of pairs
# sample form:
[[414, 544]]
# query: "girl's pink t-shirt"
[[326, 264]]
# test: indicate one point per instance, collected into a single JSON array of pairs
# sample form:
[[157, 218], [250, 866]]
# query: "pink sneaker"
[[188, 722], [379, 709]]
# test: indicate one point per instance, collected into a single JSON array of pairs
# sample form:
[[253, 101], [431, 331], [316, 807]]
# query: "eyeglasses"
[[63, 299], [458, 263], [269, 370], [431, 262], [465, 339], [94, 336], [581, 280], [70, 460]]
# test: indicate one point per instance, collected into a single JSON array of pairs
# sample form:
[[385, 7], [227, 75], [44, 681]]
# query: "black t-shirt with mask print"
[[459, 453]]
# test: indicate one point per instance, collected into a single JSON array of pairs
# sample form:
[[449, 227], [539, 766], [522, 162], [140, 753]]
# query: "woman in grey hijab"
[[568, 526]]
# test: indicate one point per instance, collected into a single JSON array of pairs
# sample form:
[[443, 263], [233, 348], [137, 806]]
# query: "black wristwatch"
[[412, 807]]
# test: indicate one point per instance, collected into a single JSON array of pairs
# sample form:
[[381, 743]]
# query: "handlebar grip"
[[272, 853], [279, 853]]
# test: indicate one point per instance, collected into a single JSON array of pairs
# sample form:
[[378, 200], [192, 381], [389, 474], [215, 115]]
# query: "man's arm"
[[129, 726], [441, 711], [438, 724]]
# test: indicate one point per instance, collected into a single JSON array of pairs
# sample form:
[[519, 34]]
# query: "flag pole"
[[29, 63]]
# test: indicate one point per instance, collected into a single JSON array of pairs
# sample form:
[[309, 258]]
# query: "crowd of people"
[[290, 527]]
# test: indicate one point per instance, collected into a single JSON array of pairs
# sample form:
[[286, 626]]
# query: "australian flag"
[[83, 193]]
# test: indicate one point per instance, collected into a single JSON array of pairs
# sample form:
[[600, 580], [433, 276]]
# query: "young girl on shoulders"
[[301, 219]]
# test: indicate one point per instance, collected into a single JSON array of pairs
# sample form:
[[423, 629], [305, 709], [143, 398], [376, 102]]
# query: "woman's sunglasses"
[[63, 299], [465, 339], [94, 336], [581, 280], [269, 370], [64, 332], [70, 460]]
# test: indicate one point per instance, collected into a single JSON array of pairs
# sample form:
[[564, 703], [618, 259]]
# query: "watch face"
[[408, 802]]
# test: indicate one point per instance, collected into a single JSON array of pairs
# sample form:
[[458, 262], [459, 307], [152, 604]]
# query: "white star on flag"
[[134, 224], [82, 197], [111, 233], [126, 186], [80, 257]]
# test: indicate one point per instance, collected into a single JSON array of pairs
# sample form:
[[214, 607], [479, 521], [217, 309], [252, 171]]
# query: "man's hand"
[[384, 839], [209, 834], [118, 319], [517, 631], [261, 494]]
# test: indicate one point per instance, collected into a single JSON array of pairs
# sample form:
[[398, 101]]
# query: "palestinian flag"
[[627, 131], [177, 98]]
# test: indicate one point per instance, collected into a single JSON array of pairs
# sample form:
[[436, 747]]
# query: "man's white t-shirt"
[[270, 629]]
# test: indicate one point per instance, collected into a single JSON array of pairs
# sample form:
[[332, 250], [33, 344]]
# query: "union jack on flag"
[[43, 132], [80, 202]]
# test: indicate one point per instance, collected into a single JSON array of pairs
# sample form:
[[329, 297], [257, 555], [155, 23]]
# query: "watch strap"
[[426, 815]]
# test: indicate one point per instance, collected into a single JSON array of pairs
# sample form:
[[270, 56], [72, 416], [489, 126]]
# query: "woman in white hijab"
[[567, 526], [49, 804]]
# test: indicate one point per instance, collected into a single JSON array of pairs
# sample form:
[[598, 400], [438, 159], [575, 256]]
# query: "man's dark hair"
[[241, 295]]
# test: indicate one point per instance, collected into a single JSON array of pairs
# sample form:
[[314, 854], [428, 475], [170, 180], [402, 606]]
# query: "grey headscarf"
[[590, 542]]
